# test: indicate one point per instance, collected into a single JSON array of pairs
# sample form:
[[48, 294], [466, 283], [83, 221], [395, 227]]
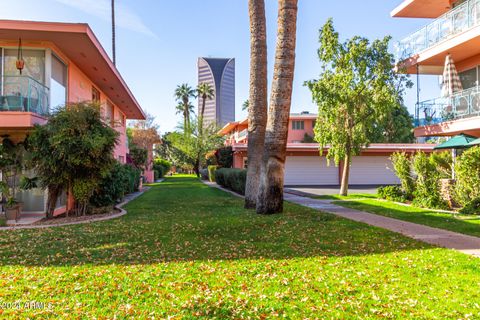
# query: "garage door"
[[372, 170], [310, 171]]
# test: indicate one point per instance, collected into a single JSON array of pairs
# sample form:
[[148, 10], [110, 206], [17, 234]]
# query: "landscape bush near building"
[[233, 179], [421, 178]]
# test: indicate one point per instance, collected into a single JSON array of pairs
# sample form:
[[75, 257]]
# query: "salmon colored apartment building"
[[454, 31], [305, 166], [63, 63]]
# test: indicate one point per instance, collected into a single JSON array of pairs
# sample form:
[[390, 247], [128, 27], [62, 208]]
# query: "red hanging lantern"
[[20, 63]]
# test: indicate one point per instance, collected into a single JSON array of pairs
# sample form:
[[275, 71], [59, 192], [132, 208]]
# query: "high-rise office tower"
[[220, 74]]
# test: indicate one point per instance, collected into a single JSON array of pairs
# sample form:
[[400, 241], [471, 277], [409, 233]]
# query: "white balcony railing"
[[457, 20]]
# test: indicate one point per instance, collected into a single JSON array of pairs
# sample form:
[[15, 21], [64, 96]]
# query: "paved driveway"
[[328, 190]]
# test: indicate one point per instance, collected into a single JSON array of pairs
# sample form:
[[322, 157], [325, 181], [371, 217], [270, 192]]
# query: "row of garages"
[[314, 170]]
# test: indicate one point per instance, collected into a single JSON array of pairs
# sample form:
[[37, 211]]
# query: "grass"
[[463, 224], [189, 251], [348, 197]]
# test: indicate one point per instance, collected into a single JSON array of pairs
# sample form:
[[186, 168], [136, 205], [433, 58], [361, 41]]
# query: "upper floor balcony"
[[24, 102], [454, 22], [24, 94]]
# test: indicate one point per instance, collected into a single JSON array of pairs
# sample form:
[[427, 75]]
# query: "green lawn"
[[189, 251], [460, 223]]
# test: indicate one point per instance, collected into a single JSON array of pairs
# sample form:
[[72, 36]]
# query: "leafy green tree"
[[183, 93], [73, 151], [195, 143], [168, 151], [356, 89], [394, 127]]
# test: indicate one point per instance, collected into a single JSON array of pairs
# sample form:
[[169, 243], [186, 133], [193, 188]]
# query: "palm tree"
[[205, 91], [185, 112], [183, 93], [257, 102], [270, 195], [245, 105]]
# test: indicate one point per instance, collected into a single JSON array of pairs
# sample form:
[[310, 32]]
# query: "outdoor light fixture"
[[20, 63]]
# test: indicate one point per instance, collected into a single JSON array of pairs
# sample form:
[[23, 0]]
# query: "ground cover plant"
[[186, 250]]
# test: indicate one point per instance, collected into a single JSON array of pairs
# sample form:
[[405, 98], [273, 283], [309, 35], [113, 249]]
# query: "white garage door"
[[372, 170], [310, 171]]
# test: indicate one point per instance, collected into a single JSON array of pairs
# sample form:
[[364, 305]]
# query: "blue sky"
[[158, 41]]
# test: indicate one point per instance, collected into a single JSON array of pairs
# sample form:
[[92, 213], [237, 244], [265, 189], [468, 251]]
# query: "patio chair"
[[14, 102]]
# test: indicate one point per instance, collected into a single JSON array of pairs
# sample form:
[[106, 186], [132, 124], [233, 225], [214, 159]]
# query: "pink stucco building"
[[453, 29], [305, 166], [63, 63]]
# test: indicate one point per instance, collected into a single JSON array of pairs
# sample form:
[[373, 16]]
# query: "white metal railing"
[[459, 19]]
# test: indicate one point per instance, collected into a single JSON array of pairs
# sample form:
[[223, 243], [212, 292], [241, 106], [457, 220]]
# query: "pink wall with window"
[[80, 89]]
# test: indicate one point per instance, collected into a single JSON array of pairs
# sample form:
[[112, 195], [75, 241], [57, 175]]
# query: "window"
[[298, 125], [468, 78], [95, 94], [245, 163], [58, 83], [109, 113], [121, 159], [34, 64]]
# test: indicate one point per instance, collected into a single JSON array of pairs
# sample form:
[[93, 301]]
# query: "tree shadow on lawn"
[[469, 226], [189, 221]]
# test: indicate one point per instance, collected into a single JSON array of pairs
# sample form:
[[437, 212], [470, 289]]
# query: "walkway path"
[[443, 238]]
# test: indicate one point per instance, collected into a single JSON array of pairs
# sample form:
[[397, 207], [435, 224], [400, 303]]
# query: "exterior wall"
[[220, 74], [295, 136], [80, 89]]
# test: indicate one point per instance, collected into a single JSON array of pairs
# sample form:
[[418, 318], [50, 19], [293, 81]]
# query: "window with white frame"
[[298, 125]]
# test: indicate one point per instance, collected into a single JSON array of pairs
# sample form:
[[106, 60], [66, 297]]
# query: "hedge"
[[233, 179], [121, 180]]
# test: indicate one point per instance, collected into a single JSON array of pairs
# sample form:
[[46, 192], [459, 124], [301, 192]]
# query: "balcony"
[[24, 94], [455, 21], [461, 105], [24, 102], [242, 134]]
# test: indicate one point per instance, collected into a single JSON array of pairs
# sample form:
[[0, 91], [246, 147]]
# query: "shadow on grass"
[[182, 219], [469, 225]]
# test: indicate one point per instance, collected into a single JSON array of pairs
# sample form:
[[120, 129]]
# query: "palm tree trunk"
[[270, 195], [257, 112], [114, 54]]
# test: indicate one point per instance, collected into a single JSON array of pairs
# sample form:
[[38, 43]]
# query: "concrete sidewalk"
[[439, 237]]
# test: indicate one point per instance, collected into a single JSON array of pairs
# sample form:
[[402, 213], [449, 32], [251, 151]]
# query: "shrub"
[[204, 174], [472, 207], [233, 179], [443, 163], [134, 175], [427, 193], [403, 169], [113, 187], [211, 173], [225, 157], [161, 167], [467, 171], [392, 193], [211, 159]]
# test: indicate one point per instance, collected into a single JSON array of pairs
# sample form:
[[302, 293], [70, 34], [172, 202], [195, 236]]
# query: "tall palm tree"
[[183, 93], [185, 112], [270, 196], [257, 102], [206, 91]]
